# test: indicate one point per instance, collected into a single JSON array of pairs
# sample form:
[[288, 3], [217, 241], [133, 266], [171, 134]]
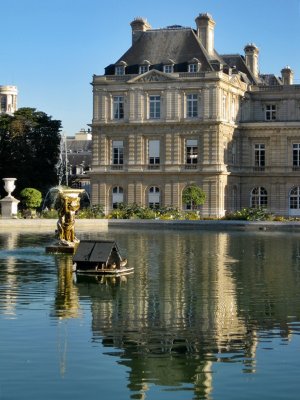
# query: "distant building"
[[172, 112], [79, 158], [8, 99]]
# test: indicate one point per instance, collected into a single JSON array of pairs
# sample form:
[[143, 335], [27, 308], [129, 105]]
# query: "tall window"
[[192, 105], [233, 109], [233, 153], [154, 107], [259, 156], [270, 112], [295, 199], [118, 152], [191, 151], [296, 155], [3, 104], [117, 196], [154, 197], [153, 152], [224, 108], [168, 69], [119, 70], [259, 197], [118, 107]]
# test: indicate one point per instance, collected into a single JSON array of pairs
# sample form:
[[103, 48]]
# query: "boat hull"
[[105, 271]]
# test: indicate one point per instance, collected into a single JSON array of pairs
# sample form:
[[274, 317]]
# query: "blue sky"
[[50, 49]]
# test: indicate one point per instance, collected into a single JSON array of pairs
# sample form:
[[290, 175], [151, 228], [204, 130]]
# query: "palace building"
[[172, 112]]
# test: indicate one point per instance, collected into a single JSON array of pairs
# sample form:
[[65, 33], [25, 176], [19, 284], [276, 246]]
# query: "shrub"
[[192, 215], [250, 214], [51, 214], [90, 212], [31, 198]]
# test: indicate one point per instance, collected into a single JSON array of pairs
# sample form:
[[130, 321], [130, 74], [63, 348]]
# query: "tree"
[[194, 196], [31, 198], [29, 148]]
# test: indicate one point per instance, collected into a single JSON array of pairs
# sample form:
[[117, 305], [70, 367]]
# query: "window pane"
[[154, 104], [259, 197], [118, 107], [117, 152], [259, 155], [296, 155], [154, 151], [191, 151], [192, 105], [154, 197]]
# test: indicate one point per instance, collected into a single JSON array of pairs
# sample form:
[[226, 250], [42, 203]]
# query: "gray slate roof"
[[181, 45], [157, 46]]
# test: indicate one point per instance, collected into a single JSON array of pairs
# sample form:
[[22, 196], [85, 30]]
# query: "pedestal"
[[9, 207], [59, 249]]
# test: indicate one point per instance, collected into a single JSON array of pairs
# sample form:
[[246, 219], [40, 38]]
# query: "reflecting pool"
[[205, 315]]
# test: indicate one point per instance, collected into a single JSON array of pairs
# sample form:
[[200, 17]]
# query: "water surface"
[[206, 315]]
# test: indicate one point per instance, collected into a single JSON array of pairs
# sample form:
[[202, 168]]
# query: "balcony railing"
[[191, 166], [258, 169], [153, 166], [116, 167]]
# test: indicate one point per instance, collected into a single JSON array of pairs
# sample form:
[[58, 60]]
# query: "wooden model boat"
[[100, 257]]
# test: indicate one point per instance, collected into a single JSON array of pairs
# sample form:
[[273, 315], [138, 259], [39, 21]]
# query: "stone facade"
[[8, 99], [172, 112]]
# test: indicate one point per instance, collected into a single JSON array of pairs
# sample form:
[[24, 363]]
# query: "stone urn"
[[9, 185], [9, 205]]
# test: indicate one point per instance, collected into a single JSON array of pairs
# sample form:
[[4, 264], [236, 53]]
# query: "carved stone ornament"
[[153, 76]]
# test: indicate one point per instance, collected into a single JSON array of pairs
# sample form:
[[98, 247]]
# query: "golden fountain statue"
[[69, 204]]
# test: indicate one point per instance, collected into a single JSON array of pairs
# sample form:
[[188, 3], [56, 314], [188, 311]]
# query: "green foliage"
[[250, 214], [167, 213], [192, 216], [30, 198], [49, 214], [29, 148], [95, 212], [135, 211], [194, 196]]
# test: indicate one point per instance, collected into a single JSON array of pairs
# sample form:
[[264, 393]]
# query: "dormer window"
[[120, 70], [169, 69], [194, 65], [143, 69], [193, 68]]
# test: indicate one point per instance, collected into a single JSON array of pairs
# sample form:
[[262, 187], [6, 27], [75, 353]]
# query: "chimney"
[[287, 76], [251, 56], [138, 26], [205, 31]]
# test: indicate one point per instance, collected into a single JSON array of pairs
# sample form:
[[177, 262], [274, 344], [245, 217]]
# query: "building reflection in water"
[[181, 300], [194, 299], [9, 290]]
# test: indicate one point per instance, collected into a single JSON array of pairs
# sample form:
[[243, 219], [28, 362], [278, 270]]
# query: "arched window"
[[117, 196], [294, 201], [154, 197], [259, 197]]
